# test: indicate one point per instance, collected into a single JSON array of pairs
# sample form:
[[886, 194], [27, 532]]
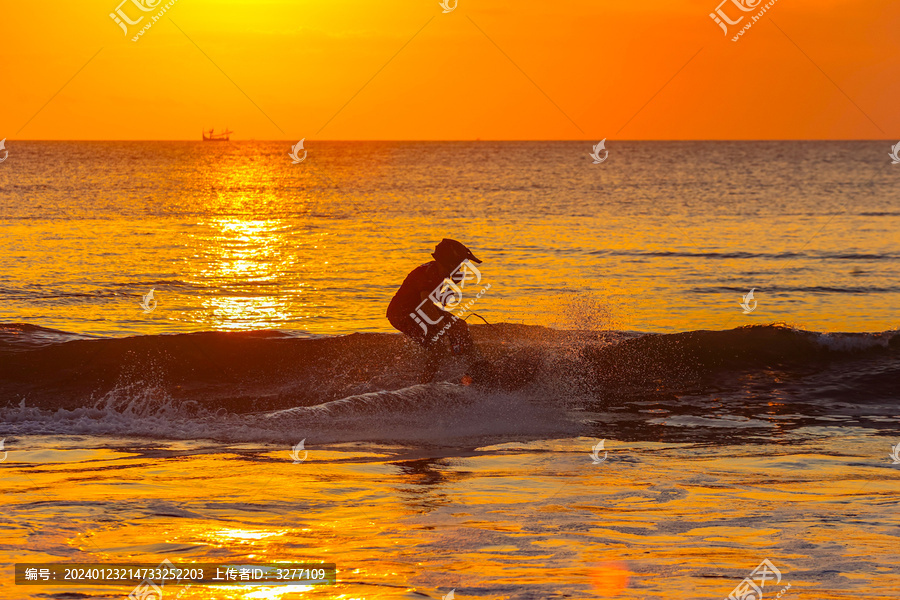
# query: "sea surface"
[[662, 236], [652, 440]]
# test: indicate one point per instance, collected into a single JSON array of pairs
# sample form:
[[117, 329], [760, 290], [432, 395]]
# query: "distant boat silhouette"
[[217, 137]]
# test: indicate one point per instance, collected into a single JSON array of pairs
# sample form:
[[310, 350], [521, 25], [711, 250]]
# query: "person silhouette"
[[413, 313]]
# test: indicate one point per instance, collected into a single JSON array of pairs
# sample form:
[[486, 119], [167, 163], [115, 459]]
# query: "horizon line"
[[290, 140]]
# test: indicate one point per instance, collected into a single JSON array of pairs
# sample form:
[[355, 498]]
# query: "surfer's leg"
[[460, 338], [433, 345], [461, 342], [405, 325]]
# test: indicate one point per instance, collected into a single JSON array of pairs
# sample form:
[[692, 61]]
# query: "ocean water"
[[662, 237], [727, 437]]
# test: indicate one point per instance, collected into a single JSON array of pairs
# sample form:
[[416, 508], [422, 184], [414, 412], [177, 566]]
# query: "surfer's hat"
[[452, 252]]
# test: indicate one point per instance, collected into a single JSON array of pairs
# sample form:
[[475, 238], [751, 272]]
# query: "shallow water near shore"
[[515, 520]]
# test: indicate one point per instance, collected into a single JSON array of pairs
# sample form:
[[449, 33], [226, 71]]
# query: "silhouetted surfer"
[[413, 313]]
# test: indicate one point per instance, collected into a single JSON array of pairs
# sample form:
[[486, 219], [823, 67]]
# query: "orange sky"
[[597, 61]]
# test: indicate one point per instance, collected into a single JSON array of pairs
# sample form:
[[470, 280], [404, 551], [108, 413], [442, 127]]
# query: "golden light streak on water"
[[609, 579]]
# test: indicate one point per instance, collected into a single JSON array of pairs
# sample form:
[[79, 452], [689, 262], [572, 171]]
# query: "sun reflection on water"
[[228, 535], [249, 269]]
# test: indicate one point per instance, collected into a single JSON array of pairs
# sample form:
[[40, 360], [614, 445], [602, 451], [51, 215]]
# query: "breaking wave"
[[276, 386]]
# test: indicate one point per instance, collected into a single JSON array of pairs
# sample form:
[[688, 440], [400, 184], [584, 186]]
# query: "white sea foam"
[[435, 414]]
